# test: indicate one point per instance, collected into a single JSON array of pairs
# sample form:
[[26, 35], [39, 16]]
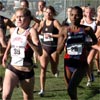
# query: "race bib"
[[75, 49], [47, 37], [17, 51]]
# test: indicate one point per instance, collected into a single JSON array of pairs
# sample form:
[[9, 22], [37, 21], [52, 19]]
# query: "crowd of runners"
[[78, 36]]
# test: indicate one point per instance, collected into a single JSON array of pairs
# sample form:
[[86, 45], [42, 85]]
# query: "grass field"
[[56, 89]]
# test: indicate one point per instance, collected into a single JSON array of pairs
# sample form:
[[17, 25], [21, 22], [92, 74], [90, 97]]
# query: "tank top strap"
[[27, 31], [15, 31], [45, 23], [52, 23]]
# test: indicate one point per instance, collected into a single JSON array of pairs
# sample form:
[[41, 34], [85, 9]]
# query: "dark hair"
[[52, 10], [1, 5], [79, 9], [27, 3], [44, 3], [65, 23]]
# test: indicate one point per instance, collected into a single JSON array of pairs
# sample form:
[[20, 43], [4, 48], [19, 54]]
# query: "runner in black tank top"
[[75, 60], [50, 31], [50, 46]]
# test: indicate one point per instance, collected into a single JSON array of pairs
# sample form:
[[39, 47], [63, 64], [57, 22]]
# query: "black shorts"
[[21, 74], [75, 64], [48, 49]]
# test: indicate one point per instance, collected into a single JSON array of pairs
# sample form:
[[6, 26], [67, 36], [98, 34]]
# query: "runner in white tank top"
[[18, 45], [20, 68], [92, 25]]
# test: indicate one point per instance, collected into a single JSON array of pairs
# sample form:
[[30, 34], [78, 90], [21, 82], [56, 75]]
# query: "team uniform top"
[[49, 29], [75, 45], [92, 25], [21, 53]]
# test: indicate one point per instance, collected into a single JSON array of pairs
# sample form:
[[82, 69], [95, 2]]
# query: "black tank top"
[[52, 30], [75, 44]]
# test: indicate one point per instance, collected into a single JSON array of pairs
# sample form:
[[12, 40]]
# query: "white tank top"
[[18, 44], [92, 25]]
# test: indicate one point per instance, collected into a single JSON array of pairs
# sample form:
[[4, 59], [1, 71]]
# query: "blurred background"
[[60, 6]]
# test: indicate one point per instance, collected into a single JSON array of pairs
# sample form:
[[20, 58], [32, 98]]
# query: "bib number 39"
[[19, 52], [16, 51]]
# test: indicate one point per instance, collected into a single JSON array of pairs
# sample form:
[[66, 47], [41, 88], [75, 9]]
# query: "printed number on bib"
[[19, 52], [47, 37], [75, 49]]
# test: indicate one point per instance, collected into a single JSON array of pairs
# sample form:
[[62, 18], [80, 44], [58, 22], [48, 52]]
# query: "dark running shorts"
[[21, 74], [48, 49]]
